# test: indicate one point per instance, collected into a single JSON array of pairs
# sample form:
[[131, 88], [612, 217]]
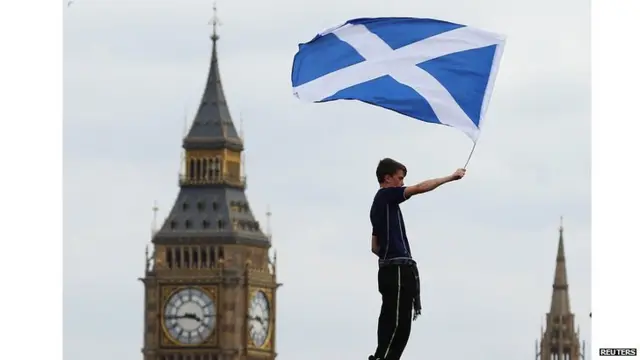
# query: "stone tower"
[[210, 283], [560, 340]]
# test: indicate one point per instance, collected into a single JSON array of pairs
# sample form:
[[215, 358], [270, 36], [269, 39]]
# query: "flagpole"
[[471, 153]]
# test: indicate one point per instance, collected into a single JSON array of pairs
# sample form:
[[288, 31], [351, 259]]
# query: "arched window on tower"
[[212, 257], [178, 258], [199, 169], [195, 262], [192, 169], [169, 258], [217, 168], [186, 258], [204, 258]]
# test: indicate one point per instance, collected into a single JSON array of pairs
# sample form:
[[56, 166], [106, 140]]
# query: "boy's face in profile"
[[396, 180]]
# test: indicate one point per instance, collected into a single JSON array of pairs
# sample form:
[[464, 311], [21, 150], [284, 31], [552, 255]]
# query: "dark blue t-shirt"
[[388, 224]]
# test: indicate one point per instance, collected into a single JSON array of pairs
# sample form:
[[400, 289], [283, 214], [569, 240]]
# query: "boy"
[[398, 279]]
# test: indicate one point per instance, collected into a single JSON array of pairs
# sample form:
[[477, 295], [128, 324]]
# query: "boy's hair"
[[389, 167]]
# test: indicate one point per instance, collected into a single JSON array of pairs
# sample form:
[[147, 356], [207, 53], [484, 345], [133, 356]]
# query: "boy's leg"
[[405, 314], [397, 286], [388, 286]]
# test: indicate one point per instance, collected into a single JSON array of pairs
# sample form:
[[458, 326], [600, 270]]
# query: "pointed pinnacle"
[[560, 295]]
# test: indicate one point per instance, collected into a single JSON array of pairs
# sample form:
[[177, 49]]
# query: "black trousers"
[[397, 284]]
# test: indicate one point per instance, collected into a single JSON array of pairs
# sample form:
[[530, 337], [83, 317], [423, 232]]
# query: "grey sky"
[[486, 245]]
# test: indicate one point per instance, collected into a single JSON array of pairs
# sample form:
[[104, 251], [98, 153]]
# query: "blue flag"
[[431, 70]]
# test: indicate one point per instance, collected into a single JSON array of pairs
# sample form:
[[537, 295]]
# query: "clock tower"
[[210, 284]]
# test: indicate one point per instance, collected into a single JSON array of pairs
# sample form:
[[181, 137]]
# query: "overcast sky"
[[486, 245]]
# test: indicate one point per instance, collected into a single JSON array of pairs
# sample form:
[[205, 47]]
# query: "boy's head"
[[390, 173]]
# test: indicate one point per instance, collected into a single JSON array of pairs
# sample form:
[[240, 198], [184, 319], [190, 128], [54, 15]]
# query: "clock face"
[[190, 316], [259, 318]]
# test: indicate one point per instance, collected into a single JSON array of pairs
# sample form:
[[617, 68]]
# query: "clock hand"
[[192, 316], [176, 316], [260, 320]]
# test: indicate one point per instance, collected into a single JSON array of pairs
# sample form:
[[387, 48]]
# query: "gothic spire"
[[560, 339], [560, 295], [212, 127]]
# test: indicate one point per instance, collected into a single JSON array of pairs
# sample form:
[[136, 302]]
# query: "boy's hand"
[[458, 174]]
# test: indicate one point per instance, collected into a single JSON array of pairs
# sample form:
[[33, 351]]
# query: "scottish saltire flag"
[[431, 70]]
